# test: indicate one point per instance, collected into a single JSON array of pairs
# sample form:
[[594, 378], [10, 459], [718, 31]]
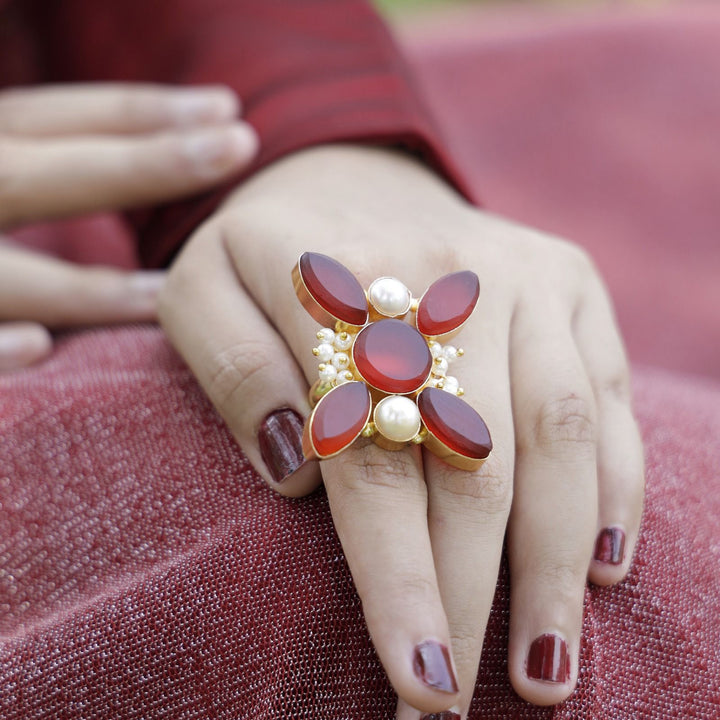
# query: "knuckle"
[[367, 468], [234, 371], [466, 638], [411, 590], [489, 490], [565, 418], [564, 572]]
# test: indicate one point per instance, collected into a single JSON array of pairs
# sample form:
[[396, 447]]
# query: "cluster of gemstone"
[[381, 376]]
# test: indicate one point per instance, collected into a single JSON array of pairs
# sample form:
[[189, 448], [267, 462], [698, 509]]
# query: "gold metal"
[[369, 430], [460, 351], [414, 305], [315, 352], [318, 390], [420, 437], [462, 462], [460, 392]]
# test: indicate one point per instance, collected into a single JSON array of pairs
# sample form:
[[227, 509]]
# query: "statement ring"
[[381, 377]]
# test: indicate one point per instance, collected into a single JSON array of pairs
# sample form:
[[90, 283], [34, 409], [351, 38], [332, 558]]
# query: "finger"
[[378, 501], [55, 293], [52, 178], [552, 523], [112, 108], [241, 362], [468, 511], [620, 454], [23, 344]]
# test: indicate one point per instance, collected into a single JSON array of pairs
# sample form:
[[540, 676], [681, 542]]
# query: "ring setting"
[[382, 377]]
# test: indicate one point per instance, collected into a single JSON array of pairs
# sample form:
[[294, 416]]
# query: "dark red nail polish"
[[445, 715], [610, 546], [280, 439], [432, 665], [548, 659]]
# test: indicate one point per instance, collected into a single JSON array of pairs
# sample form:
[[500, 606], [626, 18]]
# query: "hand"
[[66, 150], [544, 366]]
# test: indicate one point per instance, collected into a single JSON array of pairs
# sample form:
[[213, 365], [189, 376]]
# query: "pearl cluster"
[[443, 355], [332, 351]]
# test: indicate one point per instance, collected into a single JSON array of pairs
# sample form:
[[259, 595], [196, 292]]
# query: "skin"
[[67, 150], [544, 365]]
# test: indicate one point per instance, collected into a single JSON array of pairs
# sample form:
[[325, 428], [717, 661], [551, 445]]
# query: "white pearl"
[[439, 367], [451, 385], [435, 348], [340, 361], [389, 296], [343, 341], [325, 352], [397, 418], [327, 372], [326, 335], [343, 377], [450, 353]]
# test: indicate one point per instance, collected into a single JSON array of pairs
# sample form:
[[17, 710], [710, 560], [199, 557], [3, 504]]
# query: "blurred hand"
[[66, 150], [544, 366]]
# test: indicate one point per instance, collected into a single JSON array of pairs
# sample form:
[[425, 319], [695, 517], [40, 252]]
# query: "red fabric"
[[308, 73], [146, 572]]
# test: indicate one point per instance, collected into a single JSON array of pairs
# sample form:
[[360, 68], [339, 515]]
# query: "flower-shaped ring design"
[[380, 376]]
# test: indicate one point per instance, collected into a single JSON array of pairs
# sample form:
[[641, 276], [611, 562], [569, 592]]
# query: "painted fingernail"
[[215, 152], [446, 715], [431, 663], [191, 106], [610, 546], [548, 659], [280, 438]]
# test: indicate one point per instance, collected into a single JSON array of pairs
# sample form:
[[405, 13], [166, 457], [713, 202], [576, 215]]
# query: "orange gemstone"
[[339, 418], [334, 288], [453, 422], [448, 303], [392, 356]]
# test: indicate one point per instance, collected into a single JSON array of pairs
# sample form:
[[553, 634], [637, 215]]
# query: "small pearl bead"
[[326, 335], [450, 353], [325, 352], [327, 372], [435, 348], [451, 385], [389, 296], [340, 361], [343, 376], [439, 367], [343, 341], [397, 418]]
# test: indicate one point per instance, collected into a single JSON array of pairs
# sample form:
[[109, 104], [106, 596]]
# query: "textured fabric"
[[307, 72], [147, 572]]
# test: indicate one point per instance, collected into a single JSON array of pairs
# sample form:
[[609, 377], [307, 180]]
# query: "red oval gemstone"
[[448, 303], [392, 356], [334, 288], [339, 418], [453, 422]]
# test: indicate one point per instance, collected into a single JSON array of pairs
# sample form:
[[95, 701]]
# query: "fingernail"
[[548, 659], [431, 663], [22, 345], [610, 546], [215, 152], [445, 715], [191, 106], [147, 283], [280, 438]]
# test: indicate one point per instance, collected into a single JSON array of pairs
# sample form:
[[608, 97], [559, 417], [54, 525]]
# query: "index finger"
[[112, 108]]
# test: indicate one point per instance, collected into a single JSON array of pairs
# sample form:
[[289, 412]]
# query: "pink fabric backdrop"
[[145, 570]]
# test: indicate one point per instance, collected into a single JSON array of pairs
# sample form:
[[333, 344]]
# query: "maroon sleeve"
[[308, 72]]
